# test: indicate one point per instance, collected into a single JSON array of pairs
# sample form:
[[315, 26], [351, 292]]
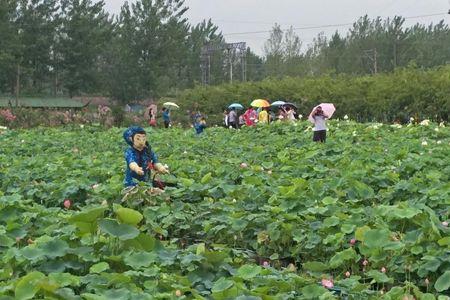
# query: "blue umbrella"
[[236, 106], [278, 103]]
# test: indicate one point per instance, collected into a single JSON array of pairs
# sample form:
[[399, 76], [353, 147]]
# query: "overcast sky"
[[237, 16]]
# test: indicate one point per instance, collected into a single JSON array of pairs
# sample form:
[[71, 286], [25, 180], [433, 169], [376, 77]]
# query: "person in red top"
[[250, 116]]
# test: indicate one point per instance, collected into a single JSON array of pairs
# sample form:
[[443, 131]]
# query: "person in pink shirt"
[[250, 117]]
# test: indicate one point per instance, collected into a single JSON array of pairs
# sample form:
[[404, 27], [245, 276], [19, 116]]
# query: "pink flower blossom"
[[67, 203], [445, 224], [383, 270], [7, 115], [266, 264], [347, 274], [427, 282], [352, 241], [327, 283], [365, 262]]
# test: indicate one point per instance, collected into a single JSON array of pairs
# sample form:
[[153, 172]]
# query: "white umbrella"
[[171, 105]]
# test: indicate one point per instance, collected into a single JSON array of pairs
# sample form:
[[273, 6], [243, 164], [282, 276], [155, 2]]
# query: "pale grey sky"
[[236, 16]]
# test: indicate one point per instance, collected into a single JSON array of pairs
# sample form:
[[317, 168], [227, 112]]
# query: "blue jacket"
[[199, 127], [142, 158], [166, 116]]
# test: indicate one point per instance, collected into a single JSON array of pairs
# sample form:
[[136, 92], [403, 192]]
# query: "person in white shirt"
[[225, 118], [320, 126]]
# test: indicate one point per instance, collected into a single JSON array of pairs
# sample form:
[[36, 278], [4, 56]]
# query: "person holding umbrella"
[[166, 112], [318, 117], [232, 118], [166, 117], [233, 115], [263, 116], [250, 117]]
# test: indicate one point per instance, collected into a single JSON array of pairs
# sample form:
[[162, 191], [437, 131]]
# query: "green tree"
[[273, 51], [201, 34], [38, 21], [150, 45], [9, 45], [85, 34]]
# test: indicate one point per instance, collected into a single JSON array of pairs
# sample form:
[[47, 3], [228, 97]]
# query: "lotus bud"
[[67, 203]]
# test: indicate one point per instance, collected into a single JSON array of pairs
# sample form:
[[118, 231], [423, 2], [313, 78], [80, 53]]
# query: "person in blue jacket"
[[166, 117], [200, 125], [139, 157]]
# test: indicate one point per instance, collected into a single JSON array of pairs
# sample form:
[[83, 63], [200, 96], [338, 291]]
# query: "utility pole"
[[230, 61], [372, 55], [17, 85], [395, 53], [233, 50], [375, 63]]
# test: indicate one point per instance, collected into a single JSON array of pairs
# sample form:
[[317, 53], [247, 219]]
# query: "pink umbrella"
[[328, 110]]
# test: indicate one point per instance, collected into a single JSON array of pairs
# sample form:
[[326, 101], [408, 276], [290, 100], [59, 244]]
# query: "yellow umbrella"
[[260, 103]]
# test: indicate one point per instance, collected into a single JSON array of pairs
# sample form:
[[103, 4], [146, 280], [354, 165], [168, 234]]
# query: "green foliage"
[[271, 230], [421, 94]]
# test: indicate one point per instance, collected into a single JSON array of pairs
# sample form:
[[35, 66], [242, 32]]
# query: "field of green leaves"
[[260, 213]]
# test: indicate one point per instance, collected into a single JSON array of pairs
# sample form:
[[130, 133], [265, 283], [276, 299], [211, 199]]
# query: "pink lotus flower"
[[347, 274], [67, 203], [383, 270], [243, 165], [327, 283], [266, 264], [7, 115], [352, 241], [445, 224], [365, 262]]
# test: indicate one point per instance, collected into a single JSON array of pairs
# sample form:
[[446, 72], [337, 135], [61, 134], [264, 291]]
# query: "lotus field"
[[259, 213]]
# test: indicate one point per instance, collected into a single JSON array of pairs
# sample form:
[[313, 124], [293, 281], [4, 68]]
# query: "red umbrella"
[[328, 110]]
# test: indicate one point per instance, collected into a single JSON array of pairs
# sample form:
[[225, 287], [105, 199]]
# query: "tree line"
[[149, 49], [370, 46], [74, 47]]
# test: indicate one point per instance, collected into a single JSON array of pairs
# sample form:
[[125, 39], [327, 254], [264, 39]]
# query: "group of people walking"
[[253, 116]]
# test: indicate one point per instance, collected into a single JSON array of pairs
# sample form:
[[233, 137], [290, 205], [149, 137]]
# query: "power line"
[[326, 25]]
